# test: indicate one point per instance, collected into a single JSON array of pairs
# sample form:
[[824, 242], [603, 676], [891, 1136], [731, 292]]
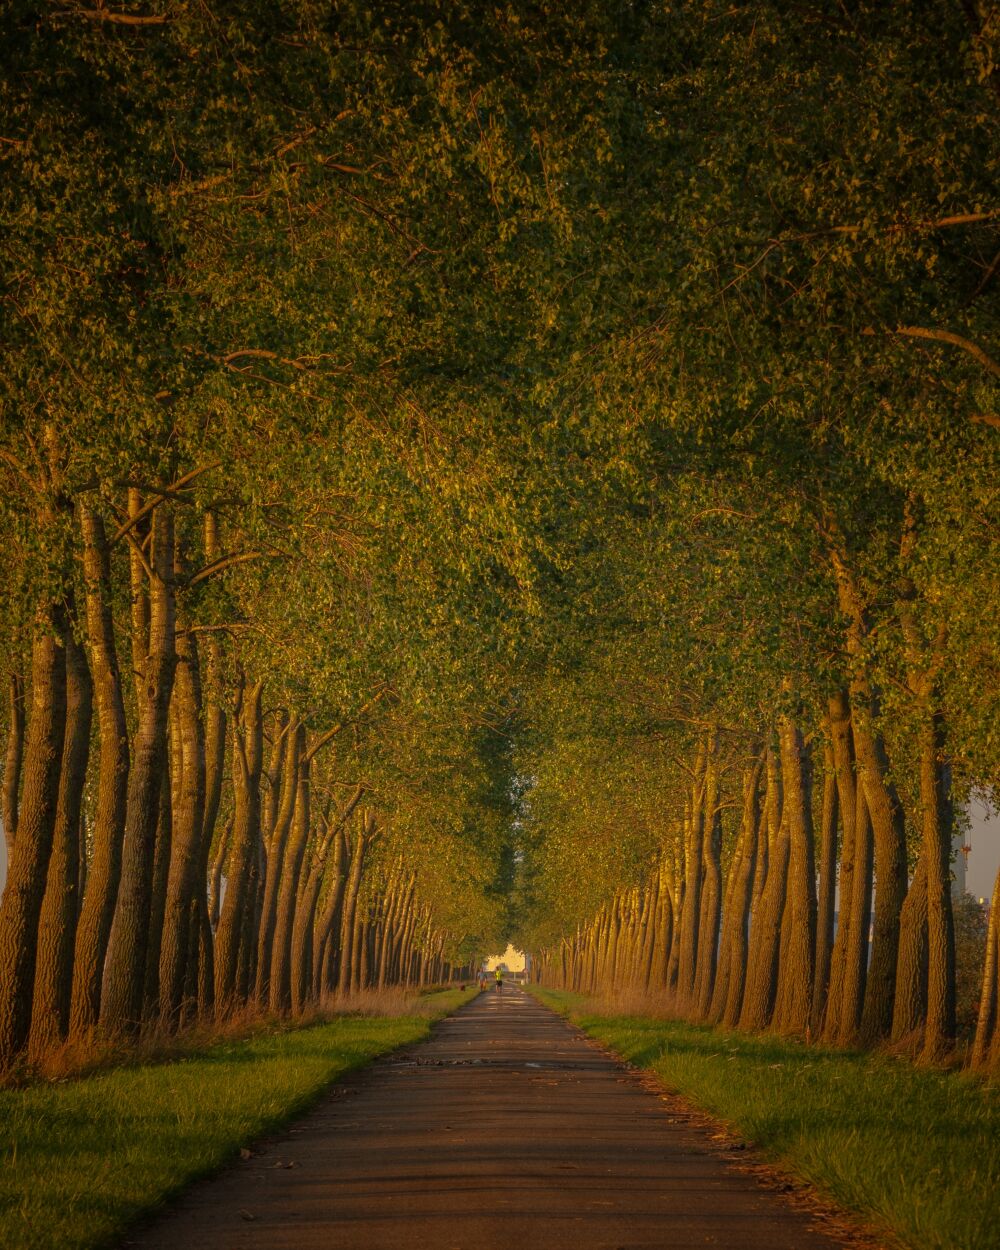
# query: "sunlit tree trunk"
[[13, 760], [57, 922], [286, 756], [826, 902], [936, 824], [711, 895], [856, 961], [691, 907], [347, 931], [677, 907], [124, 970], [158, 889], [248, 740], [765, 922], [94, 926], [798, 956], [27, 868], [740, 897], [184, 881], [909, 1012], [986, 1046], [325, 933], [280, 989], [841, 748]]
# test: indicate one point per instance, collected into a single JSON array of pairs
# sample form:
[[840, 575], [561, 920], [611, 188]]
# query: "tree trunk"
[[909, 1012], [711, 896], [856, 946], [101, 892], [329, 924], [936, 824], [741, 896], [122, 993], [280, 998], [827, 889], [765, 922], [218, 871], [278, 835], [248, 743], [28, 866], [184, 882], [677, 903], [12, 763], [799, 955], [158, 898], [347, 952], [986, 1046], [57, 923], [884, 813], [691, 909], [841, 748]]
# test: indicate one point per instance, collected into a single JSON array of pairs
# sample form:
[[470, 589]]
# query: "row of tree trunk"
[[746, 937], [148, 883]]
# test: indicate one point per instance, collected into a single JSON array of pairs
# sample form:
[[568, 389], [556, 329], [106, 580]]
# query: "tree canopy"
[[482, 473]]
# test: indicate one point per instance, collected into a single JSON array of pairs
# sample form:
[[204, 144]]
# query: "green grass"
[[81, 1159], [913, 1150]]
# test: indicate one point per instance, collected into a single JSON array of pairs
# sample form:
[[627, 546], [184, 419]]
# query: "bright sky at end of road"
[[511, 959]]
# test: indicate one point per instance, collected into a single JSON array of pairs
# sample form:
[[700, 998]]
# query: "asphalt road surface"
[[507, 1130]]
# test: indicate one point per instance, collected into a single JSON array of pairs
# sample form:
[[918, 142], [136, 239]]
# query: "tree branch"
[[115, 19], [330, 734], [956, 340], [223, 562], [159, 494]]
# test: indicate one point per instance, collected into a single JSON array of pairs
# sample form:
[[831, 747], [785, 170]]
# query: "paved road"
[[506, 1131]]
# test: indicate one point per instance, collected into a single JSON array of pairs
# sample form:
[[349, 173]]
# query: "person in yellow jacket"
[[499, 978]]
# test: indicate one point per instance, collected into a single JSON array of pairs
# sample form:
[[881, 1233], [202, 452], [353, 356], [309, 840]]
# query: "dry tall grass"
[[157, 1044]]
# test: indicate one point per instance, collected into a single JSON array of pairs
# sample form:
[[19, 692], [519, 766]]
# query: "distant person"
[[482, 978], [499, 977]]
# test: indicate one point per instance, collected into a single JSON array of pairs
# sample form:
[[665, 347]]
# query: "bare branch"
[[956, 340], [115, 19], [161, 493], [330, 734], [223, 562]]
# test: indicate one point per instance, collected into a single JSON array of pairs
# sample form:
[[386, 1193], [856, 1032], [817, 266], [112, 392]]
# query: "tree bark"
[[184, 881], [324, 934], [939, 1038], [124, 971], [101, 893], [282, 812], [158, 890], [827, 889], [280, 997], [765, 922], [57, 922], [248, 745], [711, 895], [909, 1012], [741, 897], [800, 949], [856, 945], [986, 1046], [691, 909], [28, 866], [841, 747], [13, 760]]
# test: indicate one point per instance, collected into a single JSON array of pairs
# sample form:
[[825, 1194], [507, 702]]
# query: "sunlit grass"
[[81, 1159], [914, 1150]]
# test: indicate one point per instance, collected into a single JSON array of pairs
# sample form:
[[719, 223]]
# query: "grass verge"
[[915, 1151], [80, 1160]]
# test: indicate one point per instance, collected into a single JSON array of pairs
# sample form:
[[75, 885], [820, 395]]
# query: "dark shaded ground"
[[507, 1130]]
